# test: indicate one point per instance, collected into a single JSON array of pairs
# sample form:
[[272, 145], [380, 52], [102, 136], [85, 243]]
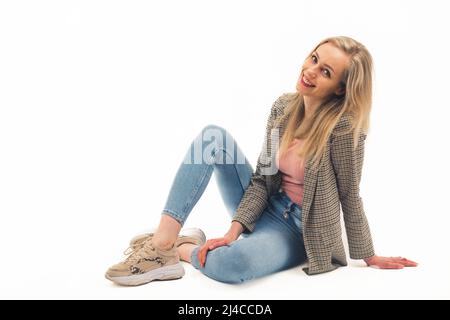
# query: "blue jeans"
[[275, 244]]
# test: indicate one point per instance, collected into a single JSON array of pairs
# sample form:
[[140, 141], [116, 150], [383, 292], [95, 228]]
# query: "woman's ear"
[[340, 91]]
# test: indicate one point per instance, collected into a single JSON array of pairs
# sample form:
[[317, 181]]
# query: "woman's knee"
[[229, 265], [219, 143], [213, 128], [217, 133]]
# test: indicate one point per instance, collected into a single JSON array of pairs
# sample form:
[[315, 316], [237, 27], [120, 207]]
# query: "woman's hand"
[[211, 245], [233, 233], [389, 262]]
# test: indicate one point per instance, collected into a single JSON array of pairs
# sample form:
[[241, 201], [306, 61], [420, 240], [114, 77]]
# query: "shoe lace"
[[139, 251], [131, 249], [134, 246]]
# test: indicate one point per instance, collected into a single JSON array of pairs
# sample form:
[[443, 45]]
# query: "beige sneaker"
[[146, 264], [187, 235]]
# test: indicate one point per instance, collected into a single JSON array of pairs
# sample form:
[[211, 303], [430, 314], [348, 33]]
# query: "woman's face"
[[322, 73]]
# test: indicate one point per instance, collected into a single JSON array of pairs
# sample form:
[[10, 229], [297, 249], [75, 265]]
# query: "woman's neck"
[[310, 106]]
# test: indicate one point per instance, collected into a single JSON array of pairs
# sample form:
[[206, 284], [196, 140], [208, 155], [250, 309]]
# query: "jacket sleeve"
[[347, 162], [255, 198]]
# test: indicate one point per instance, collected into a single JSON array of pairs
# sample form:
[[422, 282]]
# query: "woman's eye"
[[326, 72], [314, 58]]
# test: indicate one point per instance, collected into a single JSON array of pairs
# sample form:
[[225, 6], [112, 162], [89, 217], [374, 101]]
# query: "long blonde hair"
[[356, 102]]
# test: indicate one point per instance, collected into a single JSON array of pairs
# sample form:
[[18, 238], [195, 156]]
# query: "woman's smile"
[[306, 83]]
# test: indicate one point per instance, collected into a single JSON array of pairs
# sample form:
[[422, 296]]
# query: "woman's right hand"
[[211, 245]]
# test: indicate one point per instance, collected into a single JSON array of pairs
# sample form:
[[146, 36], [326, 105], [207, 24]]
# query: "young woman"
[[287, 212]]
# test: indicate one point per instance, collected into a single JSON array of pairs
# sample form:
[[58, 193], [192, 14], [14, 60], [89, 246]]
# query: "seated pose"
[[286, 212]]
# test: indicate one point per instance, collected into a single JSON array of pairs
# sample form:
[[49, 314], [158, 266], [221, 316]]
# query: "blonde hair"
[[356, 102]]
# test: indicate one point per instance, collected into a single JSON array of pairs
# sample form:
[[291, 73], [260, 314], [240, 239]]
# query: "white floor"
[[354, 282], [69, 258]]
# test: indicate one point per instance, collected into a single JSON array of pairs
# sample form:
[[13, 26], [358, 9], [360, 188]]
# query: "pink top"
[[292, 170]]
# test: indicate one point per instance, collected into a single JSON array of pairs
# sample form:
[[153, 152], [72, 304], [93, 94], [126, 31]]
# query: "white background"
[[99, 101]]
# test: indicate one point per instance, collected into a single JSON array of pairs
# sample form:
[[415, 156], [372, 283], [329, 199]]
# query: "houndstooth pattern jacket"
[[334, 183]]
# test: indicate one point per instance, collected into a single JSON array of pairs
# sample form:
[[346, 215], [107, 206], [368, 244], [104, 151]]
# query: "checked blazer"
[[333, 185]]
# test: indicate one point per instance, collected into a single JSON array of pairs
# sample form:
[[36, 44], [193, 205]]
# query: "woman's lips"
[[302, 81]]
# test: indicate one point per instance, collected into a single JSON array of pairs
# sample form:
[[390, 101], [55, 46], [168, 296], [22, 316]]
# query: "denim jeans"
[[275, 244]]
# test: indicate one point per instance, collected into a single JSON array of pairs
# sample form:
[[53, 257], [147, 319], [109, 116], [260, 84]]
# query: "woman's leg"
[[157, 258], [213, 150]]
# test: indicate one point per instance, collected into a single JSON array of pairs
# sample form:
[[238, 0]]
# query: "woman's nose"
[[310, 73]]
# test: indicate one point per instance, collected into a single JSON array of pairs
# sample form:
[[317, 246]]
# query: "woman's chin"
[[299, 90]]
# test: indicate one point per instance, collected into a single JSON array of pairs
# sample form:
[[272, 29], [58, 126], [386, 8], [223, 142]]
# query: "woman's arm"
[[255, 198], [347, 163], [235, 231]]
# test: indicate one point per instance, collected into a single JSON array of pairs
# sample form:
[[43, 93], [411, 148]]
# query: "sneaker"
[[147, 264], [189, 235]]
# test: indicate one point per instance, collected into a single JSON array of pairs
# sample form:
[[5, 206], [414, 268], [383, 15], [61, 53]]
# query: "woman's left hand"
[[389, 262]]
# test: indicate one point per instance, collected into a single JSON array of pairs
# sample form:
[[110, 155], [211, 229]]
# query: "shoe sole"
[[172, 272]]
